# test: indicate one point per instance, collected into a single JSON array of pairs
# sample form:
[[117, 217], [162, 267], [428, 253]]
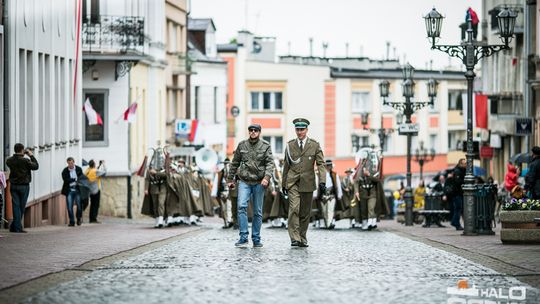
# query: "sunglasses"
[[253, 130]]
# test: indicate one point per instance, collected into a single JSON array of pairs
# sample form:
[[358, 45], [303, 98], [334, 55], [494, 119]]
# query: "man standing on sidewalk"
[[20, 166], [301, 155], [253, 164], [72, 175]]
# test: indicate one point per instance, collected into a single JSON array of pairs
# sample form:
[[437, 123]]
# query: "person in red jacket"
[[511, 177]]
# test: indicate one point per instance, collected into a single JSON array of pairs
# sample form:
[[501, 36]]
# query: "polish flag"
[[129, 114], [481, 107], [93, 117]]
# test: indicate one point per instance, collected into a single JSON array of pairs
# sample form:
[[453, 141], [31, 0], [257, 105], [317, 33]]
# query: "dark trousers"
[[74, 198], [457, 203], [94, 205], [19, 196]]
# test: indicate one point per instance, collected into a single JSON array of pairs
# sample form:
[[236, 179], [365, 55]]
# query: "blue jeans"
[[457, 203], [245, 192], [19, 196], [74, 196]]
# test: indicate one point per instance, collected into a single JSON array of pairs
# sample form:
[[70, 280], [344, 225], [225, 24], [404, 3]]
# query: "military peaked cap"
[[301, 123]]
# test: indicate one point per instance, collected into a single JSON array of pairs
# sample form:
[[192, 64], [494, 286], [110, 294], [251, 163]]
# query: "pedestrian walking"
[[94, 180], [20, 165], [532, 179], [454, 187], [155, 188], [368, 191], [72, 175], [301, 156], [253, 165]]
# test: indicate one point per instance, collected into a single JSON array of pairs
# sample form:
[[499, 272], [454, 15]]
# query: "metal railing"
[[113, 34]]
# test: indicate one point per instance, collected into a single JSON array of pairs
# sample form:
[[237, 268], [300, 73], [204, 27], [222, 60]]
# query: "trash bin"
[[485, 199], [433, 209]]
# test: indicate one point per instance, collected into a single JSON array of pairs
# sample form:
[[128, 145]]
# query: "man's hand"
[[231, 185], [322, 187], [152, 171], [145, 192], [357, 196], [264, 182]]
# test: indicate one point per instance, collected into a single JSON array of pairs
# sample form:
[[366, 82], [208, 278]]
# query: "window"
[[276, 142], [453, 141], [387, 143], [358, 142], [360, 102], [455, 100], [266, 101], [432, 141], [96, 135]]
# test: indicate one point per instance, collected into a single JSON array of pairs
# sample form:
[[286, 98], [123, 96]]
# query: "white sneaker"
[[156, 225], [364, 224], [170, 221], [160, 221]]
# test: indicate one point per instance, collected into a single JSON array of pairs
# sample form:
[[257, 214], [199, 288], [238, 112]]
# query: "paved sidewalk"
[[520, 260], [51, 249]]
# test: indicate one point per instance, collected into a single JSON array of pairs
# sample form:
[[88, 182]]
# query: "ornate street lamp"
[[470, 52], [407, 109], [422, 156]]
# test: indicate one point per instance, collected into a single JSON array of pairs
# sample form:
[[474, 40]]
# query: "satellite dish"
[[206, 159]]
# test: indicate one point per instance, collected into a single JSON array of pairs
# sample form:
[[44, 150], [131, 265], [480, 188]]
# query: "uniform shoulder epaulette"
[[291, 141], [265, 142], [314, 140]]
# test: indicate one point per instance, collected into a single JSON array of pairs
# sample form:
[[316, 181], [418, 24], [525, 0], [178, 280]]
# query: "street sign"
[[235, 111], [182, 127], [410, 128], [486, 152], [524, 126], [181, 151]]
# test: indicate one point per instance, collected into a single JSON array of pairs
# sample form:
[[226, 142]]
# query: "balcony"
[[113, 35]]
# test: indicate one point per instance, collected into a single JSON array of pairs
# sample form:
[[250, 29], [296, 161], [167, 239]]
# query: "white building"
[[43, 105], [124, 53], [208, 86]]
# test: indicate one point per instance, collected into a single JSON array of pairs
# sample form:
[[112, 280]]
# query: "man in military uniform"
[[369, 193], [331, 198], [347, 186], [156, 193], [301, 155], [253, 165], [220, 191]]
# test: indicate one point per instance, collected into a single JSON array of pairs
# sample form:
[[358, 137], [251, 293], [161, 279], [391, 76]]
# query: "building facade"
[[43, 97], [333, 93]]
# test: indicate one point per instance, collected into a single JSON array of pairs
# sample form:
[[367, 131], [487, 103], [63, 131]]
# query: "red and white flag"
[[93, 117], [129, 114]]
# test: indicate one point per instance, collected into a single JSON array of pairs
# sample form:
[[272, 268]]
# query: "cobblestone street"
[[340, 266]]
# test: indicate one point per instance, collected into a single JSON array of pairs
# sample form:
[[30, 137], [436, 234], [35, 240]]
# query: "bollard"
[[485, 196]]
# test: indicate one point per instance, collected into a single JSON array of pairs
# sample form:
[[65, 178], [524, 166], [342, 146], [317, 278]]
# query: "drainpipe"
[[129, 215], [5, 72], [528, 67]]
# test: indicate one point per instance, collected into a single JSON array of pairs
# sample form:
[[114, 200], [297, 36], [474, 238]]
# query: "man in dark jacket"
[[253, 164], [20, 176], [456, 184], [71, 175], [532, 178]]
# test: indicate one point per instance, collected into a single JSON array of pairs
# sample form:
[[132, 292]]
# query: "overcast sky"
[[365, 24]]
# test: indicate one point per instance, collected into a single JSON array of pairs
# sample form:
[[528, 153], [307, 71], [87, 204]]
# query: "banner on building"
[[481, 107]]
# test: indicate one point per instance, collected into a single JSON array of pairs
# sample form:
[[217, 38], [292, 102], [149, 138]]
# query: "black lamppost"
[[408, 108], [422, 156], [470, 52]]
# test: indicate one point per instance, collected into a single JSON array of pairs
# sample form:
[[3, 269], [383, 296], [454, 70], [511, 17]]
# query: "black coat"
[[459, 180], [532, 179], [67, 178]]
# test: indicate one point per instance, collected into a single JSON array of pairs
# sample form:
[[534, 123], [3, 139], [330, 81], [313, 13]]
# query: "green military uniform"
[[372, 200], [299, 180]]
